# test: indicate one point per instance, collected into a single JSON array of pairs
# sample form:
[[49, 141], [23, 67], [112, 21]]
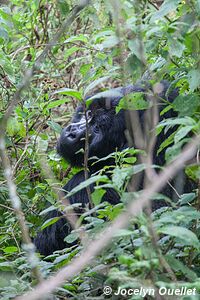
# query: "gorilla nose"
[[73, 132], [72, 136], [70, 132]]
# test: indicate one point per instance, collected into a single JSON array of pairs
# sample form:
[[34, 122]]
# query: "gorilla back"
[[106, 134]]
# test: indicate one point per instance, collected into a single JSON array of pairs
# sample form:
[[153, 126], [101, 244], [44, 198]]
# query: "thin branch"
[[86, 153], [16, 204]]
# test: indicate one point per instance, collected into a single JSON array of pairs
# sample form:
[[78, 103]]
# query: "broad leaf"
[[181, 233]]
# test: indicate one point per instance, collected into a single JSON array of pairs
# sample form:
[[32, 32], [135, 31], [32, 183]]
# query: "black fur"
[[107, 133]]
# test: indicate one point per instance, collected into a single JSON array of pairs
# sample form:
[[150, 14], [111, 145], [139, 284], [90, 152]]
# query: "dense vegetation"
[[109, 44]]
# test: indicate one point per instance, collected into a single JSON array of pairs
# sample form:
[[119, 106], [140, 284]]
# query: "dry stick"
[[5, 160], [105, 237], [131, 117], [134, 125], [151, 120], [146, 140], [154, 240], [21, 158], [86, 153], [29, 247]]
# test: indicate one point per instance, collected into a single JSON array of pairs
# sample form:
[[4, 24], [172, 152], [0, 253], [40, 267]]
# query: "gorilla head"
[[106, 128]]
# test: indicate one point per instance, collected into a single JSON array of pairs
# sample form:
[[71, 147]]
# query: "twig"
[[86, 153], [161, 258], [21, 157]]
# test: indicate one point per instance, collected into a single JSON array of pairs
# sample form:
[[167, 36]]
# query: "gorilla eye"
[[96, 129]]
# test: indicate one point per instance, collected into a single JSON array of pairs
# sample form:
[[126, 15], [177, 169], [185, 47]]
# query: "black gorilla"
[[107, 133]]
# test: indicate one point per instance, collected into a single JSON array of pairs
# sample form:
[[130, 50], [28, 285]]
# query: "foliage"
[[100, 49]]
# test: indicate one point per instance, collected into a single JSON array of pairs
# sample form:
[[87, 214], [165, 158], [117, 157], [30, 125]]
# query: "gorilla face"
[[105, 127]]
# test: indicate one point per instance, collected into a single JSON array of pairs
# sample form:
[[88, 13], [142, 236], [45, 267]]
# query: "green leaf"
[[181, 133], [166, 142], [177, 265], [176, 48], [130, 160], [159, 63], [110, 41], [126, 259], [113, 93], [97, 196], [181, 233], [42, 144], [198, 7], [69, 92], [123, 232], [134, 66], [10, 250], [49, 222], [165, 110], [56, 103], [72, 237], [6, 64], [172, 152], [194, 79], [71, 51], [136, 47], [187, 198], [84, 184], [92, 85], [120, 175], [186, 105], [77, 38], [55, 126], [13, 126], [6, 14], [133, 101], [64, 6], [186, 214], [193, 172], [47, 210], [4, 34], [85, 68], [187, 121], [6, 266], [139, 168], [167, 7]]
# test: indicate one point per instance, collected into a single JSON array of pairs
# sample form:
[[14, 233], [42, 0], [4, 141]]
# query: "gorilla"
[[106, 134]]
